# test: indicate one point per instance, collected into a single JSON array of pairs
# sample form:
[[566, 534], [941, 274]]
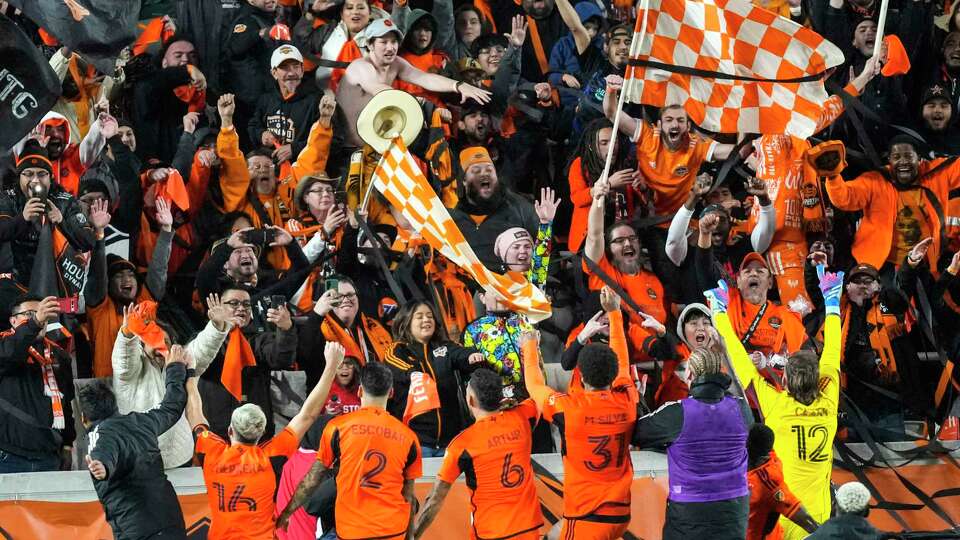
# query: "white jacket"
[[139, 386]]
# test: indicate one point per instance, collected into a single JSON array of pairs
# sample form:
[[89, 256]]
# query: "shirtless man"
[[380, 66]]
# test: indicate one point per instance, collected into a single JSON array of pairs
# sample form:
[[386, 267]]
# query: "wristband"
[[191, 372]]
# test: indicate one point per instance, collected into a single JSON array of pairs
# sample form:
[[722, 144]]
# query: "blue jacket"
[[563, 56]]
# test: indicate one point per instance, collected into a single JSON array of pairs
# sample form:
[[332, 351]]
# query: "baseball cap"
[[866, 270], [936, 91], [473, 155], [283, 53], [753, 256], [380, 28]]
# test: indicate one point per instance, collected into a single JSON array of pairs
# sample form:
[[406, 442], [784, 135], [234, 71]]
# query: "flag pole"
[[878, 42], [634, 47]]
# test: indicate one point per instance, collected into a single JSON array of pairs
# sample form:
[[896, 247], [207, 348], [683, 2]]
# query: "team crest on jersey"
[[681, 171], [239, 29], [651, 293], [775, 322], [440, 352]]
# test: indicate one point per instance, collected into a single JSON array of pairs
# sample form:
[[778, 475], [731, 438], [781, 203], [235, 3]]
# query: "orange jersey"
[[494, 455], [644, 287], [779, 331], [240, 482], [769, 498], [376, 454], [670, 174]]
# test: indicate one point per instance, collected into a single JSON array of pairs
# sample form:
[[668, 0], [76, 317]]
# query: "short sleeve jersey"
[[376, 453], [595, 432], [241, 481], [769, 498], [670, 174], [494, 456], [644, 287]]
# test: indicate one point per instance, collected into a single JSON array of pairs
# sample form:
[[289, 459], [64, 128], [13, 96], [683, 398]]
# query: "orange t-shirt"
[[240, 482], [596, 428], [670, 174], [494, 455], [377, 453], [644, 287], [769, 498], [103, 323], [780, 331]]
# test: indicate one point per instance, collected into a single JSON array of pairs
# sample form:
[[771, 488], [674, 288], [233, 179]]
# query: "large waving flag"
[[403, 184], [30, 85], [97, 29], [733, 66]]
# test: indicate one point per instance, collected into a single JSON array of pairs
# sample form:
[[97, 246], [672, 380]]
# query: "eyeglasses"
[[622, 239], [322, 191], [234, 304], [27, 313], [347, 296], [259, 167], [42, 175]]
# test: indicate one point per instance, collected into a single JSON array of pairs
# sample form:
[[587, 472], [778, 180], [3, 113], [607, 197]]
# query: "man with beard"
[[70, 160], [897, 203], [36, 389], [284, 113], [488, 207], [936, 122], [379, 68], [769, 331], [475, 128], [252, 185], [668, 154], [138, 369], [617, 254], [35, 207], [247, 52], [240, 372], [112, 283], [946, 71], [714, 228]]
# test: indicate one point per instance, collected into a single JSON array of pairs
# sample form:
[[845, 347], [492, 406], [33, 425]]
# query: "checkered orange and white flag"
[[733, 66], [406, 188]]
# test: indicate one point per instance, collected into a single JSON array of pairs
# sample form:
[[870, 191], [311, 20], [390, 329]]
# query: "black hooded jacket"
[[137, 497]]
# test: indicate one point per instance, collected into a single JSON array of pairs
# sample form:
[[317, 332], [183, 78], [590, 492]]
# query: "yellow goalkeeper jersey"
[[804, 433]]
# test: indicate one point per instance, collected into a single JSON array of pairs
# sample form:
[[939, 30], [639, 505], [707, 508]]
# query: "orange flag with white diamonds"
[[403, 184]]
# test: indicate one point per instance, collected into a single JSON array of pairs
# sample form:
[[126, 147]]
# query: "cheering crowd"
[[175, 232]]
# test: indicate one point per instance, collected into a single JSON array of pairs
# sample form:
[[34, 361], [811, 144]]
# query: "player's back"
[[376, 453], [494, 455], [241, 482], [769, 499], [595, 430]]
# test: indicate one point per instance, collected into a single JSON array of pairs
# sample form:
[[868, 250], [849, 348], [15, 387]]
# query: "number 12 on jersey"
[[807, 436]]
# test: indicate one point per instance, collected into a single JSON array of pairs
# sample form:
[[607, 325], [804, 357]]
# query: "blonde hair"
[[248, 423], [704, 361]]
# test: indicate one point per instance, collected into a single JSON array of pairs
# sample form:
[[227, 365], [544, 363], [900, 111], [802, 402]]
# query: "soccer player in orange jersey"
[[379, 459], [769, 495], [595, 426], [239, 475], [494, 456]]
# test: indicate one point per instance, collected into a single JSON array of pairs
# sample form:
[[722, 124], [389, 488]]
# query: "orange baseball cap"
[[473, 155]]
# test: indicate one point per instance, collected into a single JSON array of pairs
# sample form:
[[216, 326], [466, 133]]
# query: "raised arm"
[[743, 367], [306, 487], [313, 157], [831, 285], [95, 289], [762, 233], [532, 374], [580, 36], [164, 416], [676, 246], [593, 245], [628, 124], [439, 83], [234, 176], [194, 409], [156, 280], [333, 354]]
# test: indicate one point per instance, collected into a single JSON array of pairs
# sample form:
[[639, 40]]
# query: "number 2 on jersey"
[[807, 437], [367, 480]]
